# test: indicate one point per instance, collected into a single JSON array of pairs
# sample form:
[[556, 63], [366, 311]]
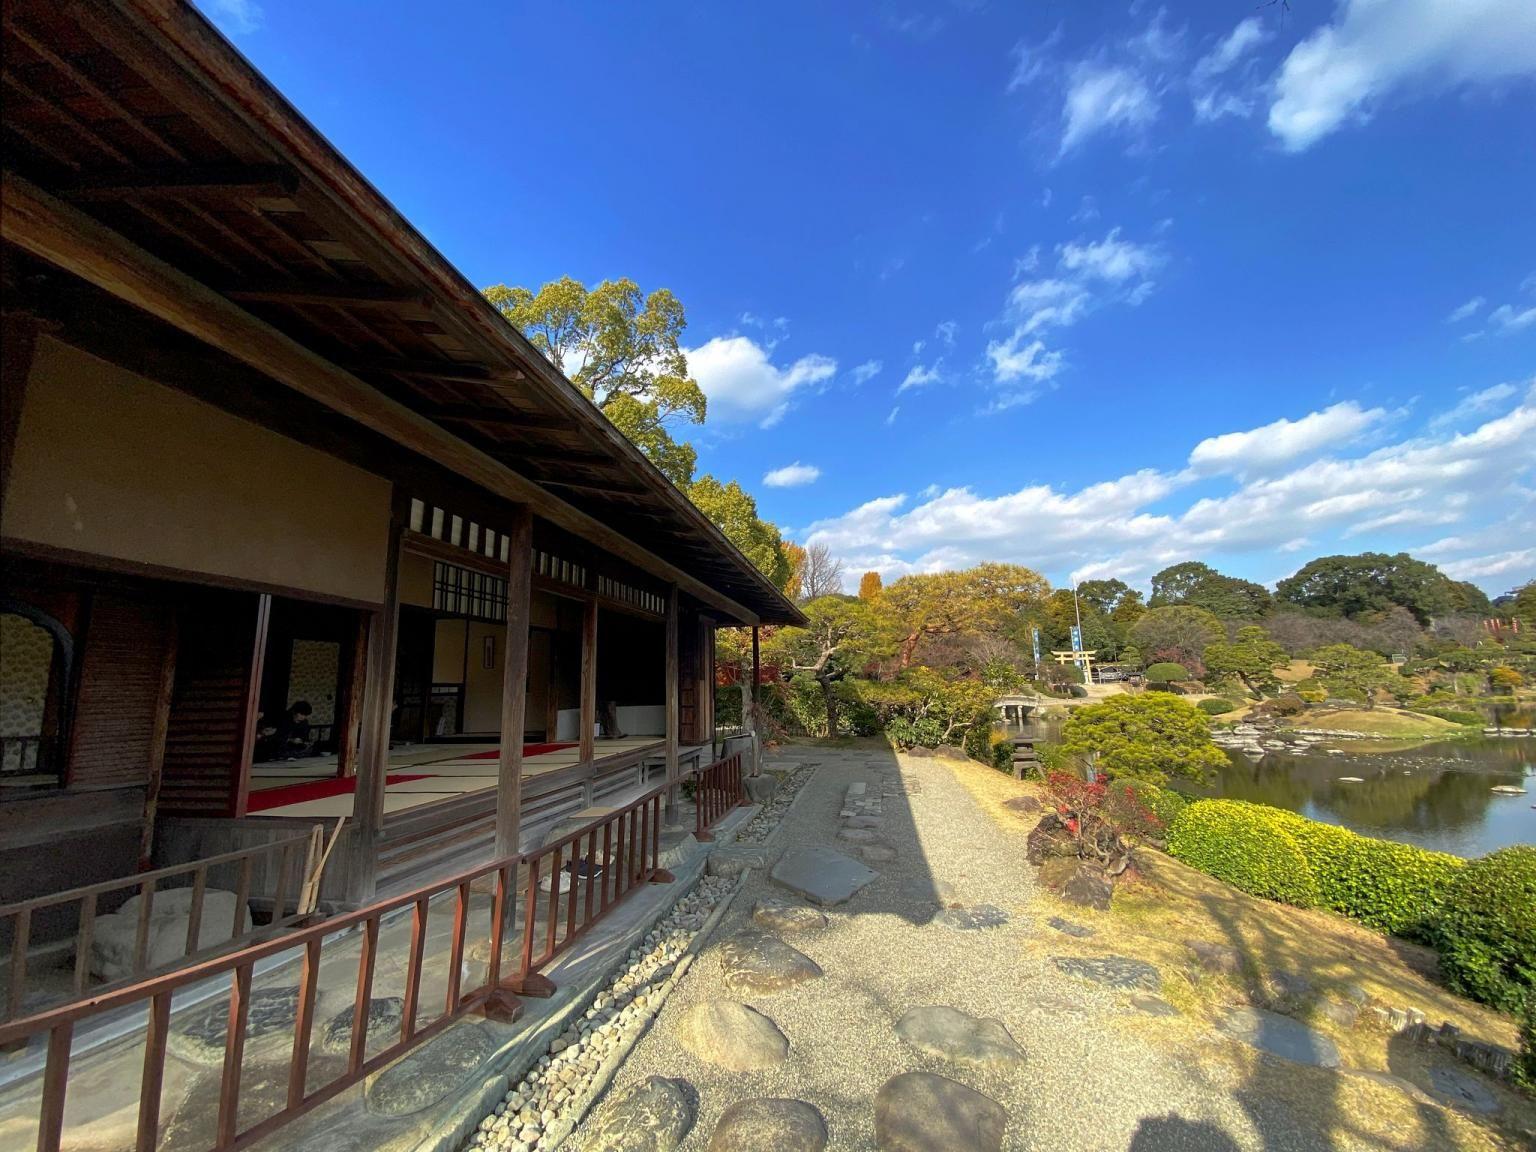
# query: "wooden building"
[[261, 443]]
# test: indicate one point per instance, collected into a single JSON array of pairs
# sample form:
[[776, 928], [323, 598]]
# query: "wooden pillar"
[[705, 682], [16, 350], [672, 675], [377, 716], [588, 679], [159, 727], [252, 706], [757, 741], [514, 683], [352, 690]]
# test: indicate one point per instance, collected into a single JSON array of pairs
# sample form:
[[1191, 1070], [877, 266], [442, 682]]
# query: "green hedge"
[[1486, 931], [1216, 707], [1245, 845], [1164, 803], [1392, 887]]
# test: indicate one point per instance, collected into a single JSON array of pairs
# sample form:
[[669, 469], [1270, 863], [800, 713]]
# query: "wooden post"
[[252, 705], [588, 679], [378, 712], [16, 349], [514, 683], [757, 741], [352, 691], [159, 726], [672, 701]]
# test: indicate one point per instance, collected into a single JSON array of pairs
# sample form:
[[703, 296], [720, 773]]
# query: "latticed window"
[[35, 653], [463, 592]]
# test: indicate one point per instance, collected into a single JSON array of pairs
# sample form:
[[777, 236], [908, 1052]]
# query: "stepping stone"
[[1079, 931], [878, 853], [857, 789], [730, 860], [858, 835], [769, 1123], [1216, 957], [972, 919], [732, 1035], [953, 1035], [271, 1010], [429, 1073], [651, 1115], [1280, 1036], [922, 1112], [757, 962], [781, 916], [822, 875], [862, 821], [1459, 1089], [1119, 972], [1154, 1006], [384, 1016]]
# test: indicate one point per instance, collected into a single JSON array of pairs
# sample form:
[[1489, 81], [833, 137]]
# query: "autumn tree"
[[732, 509], [1179, 632], [822, 574], [794, 583], [990, 597], [841, 636], [870, 585], [624, 351]]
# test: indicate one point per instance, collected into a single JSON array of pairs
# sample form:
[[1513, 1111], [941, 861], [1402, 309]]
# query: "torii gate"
[[1083, 660]]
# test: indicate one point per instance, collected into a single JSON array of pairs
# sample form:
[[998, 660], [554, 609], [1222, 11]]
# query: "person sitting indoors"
[[291, 737]]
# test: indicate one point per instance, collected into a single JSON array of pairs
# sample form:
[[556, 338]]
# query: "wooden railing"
[[617, 853], [716, 790], [145, 885]]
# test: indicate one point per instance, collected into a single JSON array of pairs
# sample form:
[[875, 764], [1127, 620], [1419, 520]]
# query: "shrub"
[[1247, 846], [1215, 707], [1454, 715], [1288, 704], [1486, 930], [1166, 673], [1392, 887], [1311, 691], [1149, 737], [1164, 803], [1524, 1070]]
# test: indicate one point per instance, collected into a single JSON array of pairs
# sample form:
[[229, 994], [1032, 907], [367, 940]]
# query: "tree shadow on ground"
[[1173, 1133]]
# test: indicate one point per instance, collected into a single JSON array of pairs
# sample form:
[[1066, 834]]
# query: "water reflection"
[[1434, 795]]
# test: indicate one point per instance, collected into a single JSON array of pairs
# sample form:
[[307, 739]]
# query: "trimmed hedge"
[[1486, 931], [1216, 707], [1392, 887], [1245, 845]]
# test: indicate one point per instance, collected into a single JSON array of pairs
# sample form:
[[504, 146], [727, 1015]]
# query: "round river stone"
[[769, 1123], [732, 1035], [949, 1033], [922, 1112], [757, 962], [651, 1115], [779, 916]]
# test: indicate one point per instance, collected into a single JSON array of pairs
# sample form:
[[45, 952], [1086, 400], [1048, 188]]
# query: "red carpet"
[[528, 750], [267, 798]]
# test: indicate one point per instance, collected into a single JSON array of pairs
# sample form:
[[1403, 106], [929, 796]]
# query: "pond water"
[[1437, 795]]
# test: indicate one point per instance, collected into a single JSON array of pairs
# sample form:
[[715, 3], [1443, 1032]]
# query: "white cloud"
[[865, 372], [1104, 98], [1375, 50], [891, 419], [1475, 405], [1110, 259], [946, 332], [1466, 311], [1508, 318], [792, 475], [1132, 525], [920, 376], [1013, 360], [743, 384], [1222, 81], [236, 17], [1284, 441]]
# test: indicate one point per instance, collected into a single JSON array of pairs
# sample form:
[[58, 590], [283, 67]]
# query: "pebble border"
[[540, 1111]]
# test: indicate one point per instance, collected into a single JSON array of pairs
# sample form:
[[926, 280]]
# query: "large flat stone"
[[973, 919], [430, 1072], [939, 1030], [1280, 1036], [650, 1115], [782, 916], [769, 1124], [756, 962], [384, 1015], [732, 1035], [1461, 1089], [272, 1010], [1120, 972], [922, 1112], [822, 875]]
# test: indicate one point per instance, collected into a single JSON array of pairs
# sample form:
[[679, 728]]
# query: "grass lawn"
[[1157, 916], [1384, 722]]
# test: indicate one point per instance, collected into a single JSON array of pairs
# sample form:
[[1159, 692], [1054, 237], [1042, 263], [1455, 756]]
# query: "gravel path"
[[1096, 1076]]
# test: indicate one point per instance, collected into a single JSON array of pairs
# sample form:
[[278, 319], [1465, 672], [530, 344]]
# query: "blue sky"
[[1091, 287]]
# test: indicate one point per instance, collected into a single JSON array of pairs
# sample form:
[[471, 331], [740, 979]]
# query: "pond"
[[1437, 795], [1434, 795]]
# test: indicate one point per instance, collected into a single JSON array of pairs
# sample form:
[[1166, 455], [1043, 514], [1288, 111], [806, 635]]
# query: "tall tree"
[[842, 635], [1251, 657], [823, 575], [734, 512], [1373, 582], [870, 585], [794, 583], [987, 598], [1201, 586], [1147, 737], [623, 349], [1347, 671], [1179, 632]]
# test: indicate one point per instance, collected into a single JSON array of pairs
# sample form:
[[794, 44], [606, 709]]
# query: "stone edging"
[[770, 842], [599, 1083]]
